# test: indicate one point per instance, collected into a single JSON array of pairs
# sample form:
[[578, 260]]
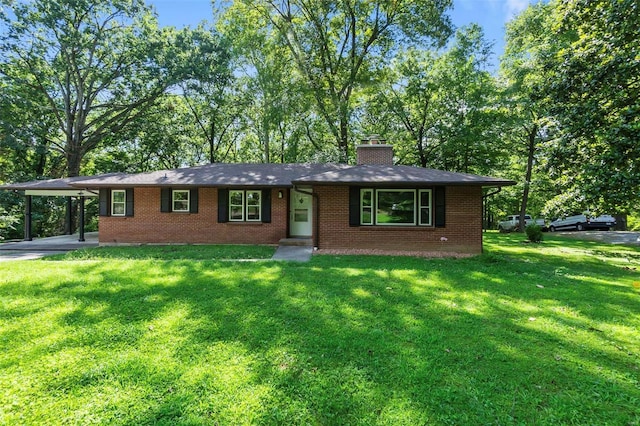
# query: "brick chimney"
[[374, 150]]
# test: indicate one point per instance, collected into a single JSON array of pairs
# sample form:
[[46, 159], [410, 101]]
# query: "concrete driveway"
[[611, 237], [40, 247]]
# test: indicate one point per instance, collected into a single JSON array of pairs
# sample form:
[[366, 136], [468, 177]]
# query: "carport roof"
[[70, 186]]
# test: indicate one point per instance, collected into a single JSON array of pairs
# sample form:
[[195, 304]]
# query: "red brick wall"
[[463, 231], [374, 154], [149, 225]]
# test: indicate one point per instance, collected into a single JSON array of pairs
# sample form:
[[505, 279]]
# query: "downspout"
[[316, 220], [484, 204], [484, 200]]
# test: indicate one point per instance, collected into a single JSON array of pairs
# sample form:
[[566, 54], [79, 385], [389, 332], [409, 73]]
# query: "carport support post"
[[67, 218], [81, 220], [27, 219]]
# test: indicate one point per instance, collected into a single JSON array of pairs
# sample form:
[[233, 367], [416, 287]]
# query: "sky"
[[492, 15]]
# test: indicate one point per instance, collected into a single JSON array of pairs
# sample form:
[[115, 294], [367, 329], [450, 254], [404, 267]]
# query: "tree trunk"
[[343, 142], [421, 154], [74, 158], [265, 140], [527, 180]]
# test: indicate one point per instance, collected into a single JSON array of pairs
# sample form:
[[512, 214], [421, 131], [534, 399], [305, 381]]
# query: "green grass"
[[524, 334]]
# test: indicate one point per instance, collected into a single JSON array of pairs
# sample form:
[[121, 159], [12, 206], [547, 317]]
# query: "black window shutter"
[[440, 210], [193, 200], [223, 205], [165, 200], [105, 202], [266, 205], [354, 206], [129, 204]]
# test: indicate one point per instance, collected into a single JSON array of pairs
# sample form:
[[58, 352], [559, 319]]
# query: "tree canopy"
[[97, 86]]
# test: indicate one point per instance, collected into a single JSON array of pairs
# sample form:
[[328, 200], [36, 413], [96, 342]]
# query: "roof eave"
[[487, 184]]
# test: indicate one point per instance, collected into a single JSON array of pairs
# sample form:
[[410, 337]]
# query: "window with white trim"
[[425, 197], [245, 206], [366, 207], [180, 200], [396, 207], [118, 202]]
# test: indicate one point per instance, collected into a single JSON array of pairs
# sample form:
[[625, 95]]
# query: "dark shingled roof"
[[219, 175], [266, 175], [393, 175]]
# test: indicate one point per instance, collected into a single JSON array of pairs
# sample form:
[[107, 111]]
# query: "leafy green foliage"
[[522, 334], [336, 46], [534, 233], [595, 94], [87, 68], [6, 223], [439, 107]]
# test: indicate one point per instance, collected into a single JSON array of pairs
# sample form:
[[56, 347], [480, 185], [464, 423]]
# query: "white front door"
[[301, 216]]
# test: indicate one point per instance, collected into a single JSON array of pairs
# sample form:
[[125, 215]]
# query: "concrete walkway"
[[293, 253], [40, 247]]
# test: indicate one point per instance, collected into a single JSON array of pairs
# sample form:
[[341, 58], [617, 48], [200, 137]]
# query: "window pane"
[[253, 213], [301, 215], [366, 218], [396, 207], [235, 198], [180, 195], [425, 207], [253, 198], [425, 198], [180, 201], [366, 207], [235, 213], [425, 216], [118, 196], [180, 206], [367, 198], [118, 209]]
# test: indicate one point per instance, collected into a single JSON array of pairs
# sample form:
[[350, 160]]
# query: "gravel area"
[[611, 237]]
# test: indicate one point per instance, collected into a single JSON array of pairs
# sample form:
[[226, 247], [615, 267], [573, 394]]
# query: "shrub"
[[6, 223], [534, 233]]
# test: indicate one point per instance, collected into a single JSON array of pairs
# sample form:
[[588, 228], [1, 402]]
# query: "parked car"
[[583, 222], [512, 221]]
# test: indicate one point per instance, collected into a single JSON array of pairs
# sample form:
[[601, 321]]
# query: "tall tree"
[[595, 91], [529, 42], [337, 44], [445, 104], [278, 101], [210, 92], [89, 66]]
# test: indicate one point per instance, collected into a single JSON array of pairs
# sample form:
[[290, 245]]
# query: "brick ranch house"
[[372, 205]]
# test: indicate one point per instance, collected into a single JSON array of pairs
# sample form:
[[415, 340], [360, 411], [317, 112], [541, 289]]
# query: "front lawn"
[[523, 334]]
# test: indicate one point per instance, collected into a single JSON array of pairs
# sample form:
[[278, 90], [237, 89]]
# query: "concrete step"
[[298, 242]]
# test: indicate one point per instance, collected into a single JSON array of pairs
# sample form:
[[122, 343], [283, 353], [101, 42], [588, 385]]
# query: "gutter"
[[316, 237], [490, 194]]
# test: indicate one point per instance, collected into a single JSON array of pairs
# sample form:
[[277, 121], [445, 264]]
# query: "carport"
[[55, 188]]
